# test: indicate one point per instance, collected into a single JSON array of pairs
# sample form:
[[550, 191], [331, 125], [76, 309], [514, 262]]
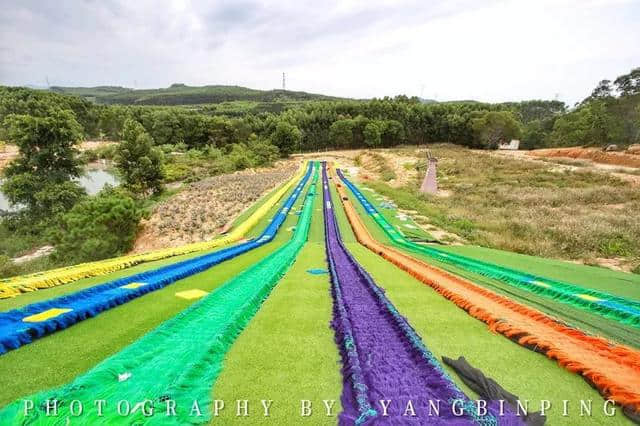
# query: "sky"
[[487, 50]]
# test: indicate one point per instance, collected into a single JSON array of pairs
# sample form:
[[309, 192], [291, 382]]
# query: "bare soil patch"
[[593, 154]]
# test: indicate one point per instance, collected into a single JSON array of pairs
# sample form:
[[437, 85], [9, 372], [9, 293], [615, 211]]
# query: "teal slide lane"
[[623, 310], [166, 376]]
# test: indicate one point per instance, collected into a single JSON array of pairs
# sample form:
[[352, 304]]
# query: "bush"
[[176, 171], [264, 153], [107, 152], [181, 147], [88, 156], [240, 156], [97, 228], [7, 267], [615, 245], [167, 148]]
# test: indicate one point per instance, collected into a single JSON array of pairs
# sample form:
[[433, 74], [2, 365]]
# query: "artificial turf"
[[49, 293], [58, 358], [408, 227], [287, 353], [615, 282], [587, 321], [449, 331]]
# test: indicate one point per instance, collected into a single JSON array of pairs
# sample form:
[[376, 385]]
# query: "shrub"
[[88, 156], [167, 148], [107, 152], [388, 175], [615, 245], [7, 267], [97, 228], [240, 156], [264, 153], [176, 171], [181, 147]]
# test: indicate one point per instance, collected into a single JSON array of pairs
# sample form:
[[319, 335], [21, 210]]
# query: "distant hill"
[[181, 94]]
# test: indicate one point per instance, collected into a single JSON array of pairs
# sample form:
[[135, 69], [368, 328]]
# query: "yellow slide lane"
[[15, 286]]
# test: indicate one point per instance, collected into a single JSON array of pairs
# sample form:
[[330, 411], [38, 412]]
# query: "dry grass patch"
[[203, 208], [526, 207]]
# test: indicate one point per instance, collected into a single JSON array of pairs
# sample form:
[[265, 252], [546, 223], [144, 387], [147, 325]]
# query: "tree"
[[629, 84], [603, 91], [97, 228], [40, 179], [533, 135], [341, 133], [372, 132], [392, 133], [495, 127], [264, 153], [286, 137], [138, 162]]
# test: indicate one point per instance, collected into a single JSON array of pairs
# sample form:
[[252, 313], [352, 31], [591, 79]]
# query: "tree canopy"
[[138, 161]]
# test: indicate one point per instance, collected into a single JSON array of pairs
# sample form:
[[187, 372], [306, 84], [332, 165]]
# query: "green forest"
[[220, 129]]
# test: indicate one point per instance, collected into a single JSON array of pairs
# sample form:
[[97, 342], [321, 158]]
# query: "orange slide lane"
[[613, 369]]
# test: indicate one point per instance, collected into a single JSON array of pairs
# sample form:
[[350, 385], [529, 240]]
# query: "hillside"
[[180, 94]]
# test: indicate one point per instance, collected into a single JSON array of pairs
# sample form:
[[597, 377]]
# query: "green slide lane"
[[607, 280], [624, 310], [287, 353], [584, 320], [616, 282], [450, 331], [59, 358], [176, 364]]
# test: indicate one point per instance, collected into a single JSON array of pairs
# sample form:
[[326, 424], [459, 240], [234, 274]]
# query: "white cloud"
[[488, 50]]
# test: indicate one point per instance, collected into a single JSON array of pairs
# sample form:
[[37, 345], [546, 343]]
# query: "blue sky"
[[489, 50]]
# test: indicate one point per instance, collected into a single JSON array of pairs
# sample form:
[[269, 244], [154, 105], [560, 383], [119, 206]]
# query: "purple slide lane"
[[384, 359]]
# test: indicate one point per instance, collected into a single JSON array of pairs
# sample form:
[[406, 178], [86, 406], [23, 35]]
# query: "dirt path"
[[626, 173], [596, 155]]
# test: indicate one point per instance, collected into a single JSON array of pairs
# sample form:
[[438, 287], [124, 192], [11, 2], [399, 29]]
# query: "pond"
[[93, 181]]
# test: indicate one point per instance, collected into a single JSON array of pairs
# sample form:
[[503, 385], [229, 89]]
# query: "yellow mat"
[[192, 294], [589, 298], [43, 316], [133, 285]]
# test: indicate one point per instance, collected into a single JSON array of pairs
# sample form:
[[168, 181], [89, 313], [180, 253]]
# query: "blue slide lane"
[[14, 332]]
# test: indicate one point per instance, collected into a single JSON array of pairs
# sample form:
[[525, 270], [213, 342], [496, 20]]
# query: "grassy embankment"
[[527, 208], [618, 283]]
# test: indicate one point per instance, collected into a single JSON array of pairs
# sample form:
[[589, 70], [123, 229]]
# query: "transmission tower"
[[284, 86]]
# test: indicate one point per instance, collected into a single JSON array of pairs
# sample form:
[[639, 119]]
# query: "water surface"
[[93, 181]]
